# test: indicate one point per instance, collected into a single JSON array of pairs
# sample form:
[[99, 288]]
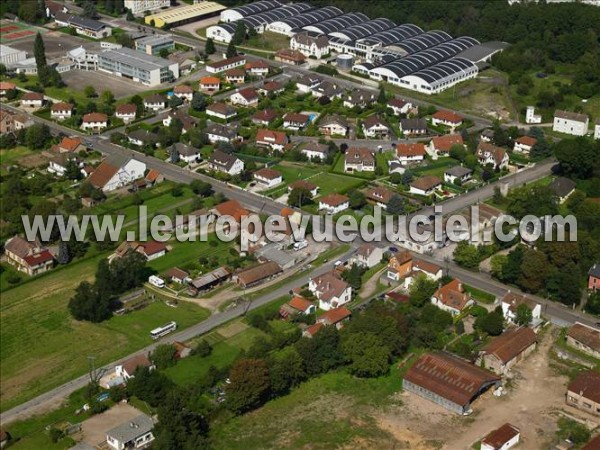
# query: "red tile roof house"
[[268, 177], [400, 106], [94, 122], [503, 438], [585, 339], [210, 84], [452, 297], [32, 100], [426, 185], [310, 331], [61, 111], [28, 257], [511, 302], [259, 68], [184, 92], [594, 277], [508, 349], [441, 145], [449, 381], [127, 368], [359, 160], [490, 154], [231, 208], [264, 117], [271, 88], [6, 86], [246, 97], [297, 305], [235, 76], [257, 274], [374, 127], [275, 140], [151, 249], [177, 275], [69, 145], [295, 121], [583, 392], [290, 56], [226, 64], [379, 196], [126, 112], [116, 172], [447, 118], [331, 290], [594, 444], [406, 153], [221, 110], [335, 317], [524, 144], [334, 203], [303, 184]]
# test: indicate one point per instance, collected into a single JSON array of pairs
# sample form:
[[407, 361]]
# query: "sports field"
[[12, 31]]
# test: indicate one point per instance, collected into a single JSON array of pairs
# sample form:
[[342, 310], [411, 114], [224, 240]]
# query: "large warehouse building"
[[184, 14], [146, 69], [404, 55]]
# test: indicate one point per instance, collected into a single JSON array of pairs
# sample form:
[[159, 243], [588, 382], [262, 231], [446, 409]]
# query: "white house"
[[511, 302], [490, 154], [210, 84], [226, 64], [245, 97], [452, 297], [295, 121], [441, 145], [331, 290], [569, 122], [314, 150], [597, 129], [221, 133], [126, 112], [221, 110], [225, 162], [306, 185], [374, 127], [58, 164], [359, 160], [156, 102], [334, 125], [275, 140], [133, 434], [457, 173], [310, 45], [268, 177], [446, 118], [94, 122], [32, 100], [400, 106], [368, 255], [334, 203], [503, 438], [127, 368], [406, 153], [117, 171], [143, 137], [524, 144], [307, 83], [426, 185], [184, 92], [186, 153], [258, 68], [61, 111], [531, 116]]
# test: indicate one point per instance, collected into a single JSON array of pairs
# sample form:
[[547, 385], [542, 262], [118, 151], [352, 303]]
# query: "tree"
[[492, 323], [299, 197], [201, 188], [382, 97], [321, 353], [396, 205], [231, 50], [209, 47], [198, 102], [179, 426], [63, 253], [174, 102], [37, 136], [239, 35], [249, 385], [203, 349], [593, 304], [421, 290], [466, 255], [286, 370], [90, 92], [357, 200], [577, 157], [163, 356], [534, 270], [353, 276], [524, 315], [151, 386], [107, 97], [536, 200], [174, 156], [407, 177], [72, 170], [458, 152], [39, 53], [368, 355], [164, 53], [89, 9], [177, 191], [86, 304]]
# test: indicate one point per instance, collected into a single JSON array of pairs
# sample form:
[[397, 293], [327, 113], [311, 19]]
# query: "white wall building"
[[115, 172], [146, 69], [133, 434], [531, 116], [310, 45], [140, 6], [569, 122], [9, 55]]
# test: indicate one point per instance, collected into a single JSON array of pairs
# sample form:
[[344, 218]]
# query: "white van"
[[300, 245], [156, 281]]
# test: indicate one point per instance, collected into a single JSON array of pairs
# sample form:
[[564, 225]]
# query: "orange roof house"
[[452, 297], [399, 265]]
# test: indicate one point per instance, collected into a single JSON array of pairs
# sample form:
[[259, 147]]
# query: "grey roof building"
[[146, 69], [134, 434]]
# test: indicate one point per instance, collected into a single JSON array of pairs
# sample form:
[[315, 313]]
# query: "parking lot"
[[56, 43], [94, 429], [102, 81]]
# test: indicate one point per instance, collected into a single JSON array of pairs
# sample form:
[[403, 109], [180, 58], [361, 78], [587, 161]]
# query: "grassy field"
[[42, 346], [268, 41], [185, 253], [11, 156], [298, 420]]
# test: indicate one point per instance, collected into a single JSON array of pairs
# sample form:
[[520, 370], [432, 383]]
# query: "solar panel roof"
[[276, 14], [256, 7], [364, 29], [424, 41], [311, 17], [444, 70], [394, 35], [337, 23]]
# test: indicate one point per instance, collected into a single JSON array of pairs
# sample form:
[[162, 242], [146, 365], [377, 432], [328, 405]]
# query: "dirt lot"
[[532, 404], [120, 87], [94, 429], [56, 44]]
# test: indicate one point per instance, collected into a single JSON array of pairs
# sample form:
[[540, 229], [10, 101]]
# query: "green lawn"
[[185, 253], [11, 156], [41, 346], [330, 182], [298, 421]]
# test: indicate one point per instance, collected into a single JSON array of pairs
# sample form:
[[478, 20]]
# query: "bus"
[[164, 330]]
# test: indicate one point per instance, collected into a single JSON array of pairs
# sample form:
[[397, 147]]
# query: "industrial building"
[[184, 14], [141, 6], [9, 55], [152, 45], [146, 69]]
